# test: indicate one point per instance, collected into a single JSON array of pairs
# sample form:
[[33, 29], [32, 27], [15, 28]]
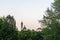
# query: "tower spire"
[[21, 25]]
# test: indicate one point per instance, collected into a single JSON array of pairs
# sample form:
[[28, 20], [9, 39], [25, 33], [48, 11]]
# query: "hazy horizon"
[[28, 11]]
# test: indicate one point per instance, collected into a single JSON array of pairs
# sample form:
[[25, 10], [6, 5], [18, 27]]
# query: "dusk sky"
[[28, 11]]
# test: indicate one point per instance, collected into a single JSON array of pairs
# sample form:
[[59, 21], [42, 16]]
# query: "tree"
[[1, 29], [8, 29], [52, 22], [29, 35]]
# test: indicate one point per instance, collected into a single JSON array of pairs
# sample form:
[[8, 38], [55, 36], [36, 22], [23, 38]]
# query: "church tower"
[[21, 25]]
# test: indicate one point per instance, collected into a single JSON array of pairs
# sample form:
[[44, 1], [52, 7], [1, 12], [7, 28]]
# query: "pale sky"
[[28, 11]]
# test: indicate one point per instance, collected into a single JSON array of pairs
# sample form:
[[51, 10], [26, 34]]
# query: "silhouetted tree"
[[52, 22], [8, 29]]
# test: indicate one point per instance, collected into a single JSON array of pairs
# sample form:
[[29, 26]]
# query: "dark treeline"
[[50, 22], [8, 31]]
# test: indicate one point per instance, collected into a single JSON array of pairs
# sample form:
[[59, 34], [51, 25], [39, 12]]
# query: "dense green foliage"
[[52, 22], [8, 28], [8, 31], [29, 35]]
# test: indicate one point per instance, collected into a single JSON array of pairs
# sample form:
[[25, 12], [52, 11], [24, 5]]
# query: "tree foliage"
[[30, 35], [52, 22], [8, 28], [8, 31]]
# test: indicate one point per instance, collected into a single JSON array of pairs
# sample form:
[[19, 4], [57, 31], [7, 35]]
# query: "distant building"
[[24, 27], [21, 25]]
